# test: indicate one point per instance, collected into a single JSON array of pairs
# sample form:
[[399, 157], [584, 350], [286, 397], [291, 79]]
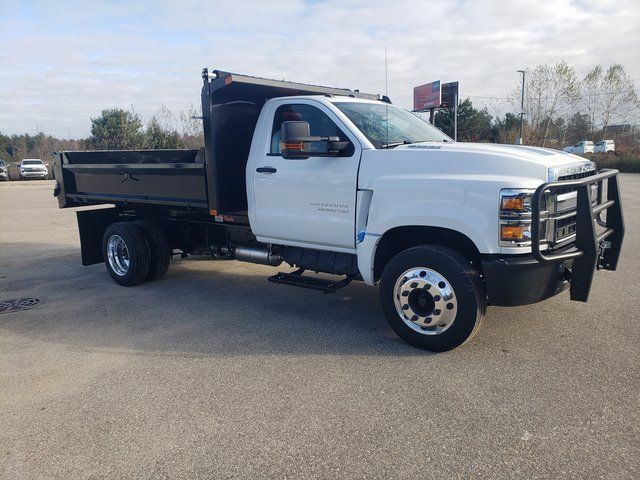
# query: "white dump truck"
[[344, 186]]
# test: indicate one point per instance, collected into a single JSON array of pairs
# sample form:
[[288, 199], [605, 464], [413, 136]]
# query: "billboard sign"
[[449, 94], [427, 96]]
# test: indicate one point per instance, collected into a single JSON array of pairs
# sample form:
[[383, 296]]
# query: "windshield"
[[386, 125], [32, 162]]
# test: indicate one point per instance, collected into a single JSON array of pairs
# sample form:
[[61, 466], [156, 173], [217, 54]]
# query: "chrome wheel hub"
[[118, 255], [425, 301]]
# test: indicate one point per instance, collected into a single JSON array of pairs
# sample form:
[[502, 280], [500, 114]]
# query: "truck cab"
[[349, 185]]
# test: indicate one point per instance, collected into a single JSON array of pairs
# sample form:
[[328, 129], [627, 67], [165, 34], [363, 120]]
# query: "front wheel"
[[432, 297]]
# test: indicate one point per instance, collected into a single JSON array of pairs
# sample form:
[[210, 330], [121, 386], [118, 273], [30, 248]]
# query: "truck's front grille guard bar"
[[586, 253], [585, 213]]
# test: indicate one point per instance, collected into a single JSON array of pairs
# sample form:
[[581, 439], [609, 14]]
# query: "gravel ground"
[[212, 372]]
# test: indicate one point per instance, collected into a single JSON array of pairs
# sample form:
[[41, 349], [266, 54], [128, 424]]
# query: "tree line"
[[113, 129]]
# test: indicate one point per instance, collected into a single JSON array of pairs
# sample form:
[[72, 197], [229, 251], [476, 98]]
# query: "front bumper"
[[522, 279], [598, 241], [34, 174], [4, 175], [513, 280]]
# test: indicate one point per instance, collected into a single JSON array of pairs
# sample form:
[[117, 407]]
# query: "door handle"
[[266, 170]]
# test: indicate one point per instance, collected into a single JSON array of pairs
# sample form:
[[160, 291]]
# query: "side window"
[[319, 125]]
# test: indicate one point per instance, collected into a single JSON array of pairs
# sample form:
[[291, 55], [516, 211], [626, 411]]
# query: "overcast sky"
[[62, 62]]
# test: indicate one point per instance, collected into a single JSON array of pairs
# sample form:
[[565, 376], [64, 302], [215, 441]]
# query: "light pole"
[[519, 140], [455, 117]]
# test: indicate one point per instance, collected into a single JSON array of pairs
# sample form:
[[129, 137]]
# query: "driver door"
[[312, 201]]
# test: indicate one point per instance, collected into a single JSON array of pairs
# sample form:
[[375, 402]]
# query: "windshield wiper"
[[396, 144]]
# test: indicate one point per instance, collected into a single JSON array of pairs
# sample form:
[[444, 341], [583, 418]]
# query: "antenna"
[[386, 92], [386, 74]]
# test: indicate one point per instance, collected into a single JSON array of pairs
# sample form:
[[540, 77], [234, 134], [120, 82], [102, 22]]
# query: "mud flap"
[[91, 225]]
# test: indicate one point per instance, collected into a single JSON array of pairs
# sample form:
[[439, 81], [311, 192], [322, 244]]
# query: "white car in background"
[[604, 146], [4, 171], [33, 168], [584, 146]]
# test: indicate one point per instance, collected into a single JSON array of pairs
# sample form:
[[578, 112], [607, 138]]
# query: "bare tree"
[[551, 91], [165, 118], [618, 98], [589, 100], [191, 128]]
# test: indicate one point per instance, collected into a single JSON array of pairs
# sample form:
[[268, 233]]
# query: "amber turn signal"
[[512, 203], [297, 146], [512, 232]]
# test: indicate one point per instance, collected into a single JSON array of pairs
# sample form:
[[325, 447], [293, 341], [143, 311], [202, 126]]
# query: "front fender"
[[444, 204], [450, 217], [467, 206]]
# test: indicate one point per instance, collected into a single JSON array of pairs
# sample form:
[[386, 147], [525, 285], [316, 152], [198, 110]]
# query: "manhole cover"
[[17, 304]]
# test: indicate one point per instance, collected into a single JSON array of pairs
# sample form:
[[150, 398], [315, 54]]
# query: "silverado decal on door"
[[330, 207]]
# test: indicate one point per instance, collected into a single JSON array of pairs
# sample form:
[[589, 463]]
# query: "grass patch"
[[628, 162]]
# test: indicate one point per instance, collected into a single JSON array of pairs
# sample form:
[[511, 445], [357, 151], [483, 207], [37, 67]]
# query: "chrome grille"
[[575, 176], [566, 227]]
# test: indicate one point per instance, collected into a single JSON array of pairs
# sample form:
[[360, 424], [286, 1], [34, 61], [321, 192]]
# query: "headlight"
[[517, 201], [515, 218]]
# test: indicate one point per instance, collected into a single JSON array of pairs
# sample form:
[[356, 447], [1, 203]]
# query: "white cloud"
[[62, 62]]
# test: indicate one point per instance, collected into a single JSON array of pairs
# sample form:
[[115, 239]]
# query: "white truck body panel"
[[312, 202]]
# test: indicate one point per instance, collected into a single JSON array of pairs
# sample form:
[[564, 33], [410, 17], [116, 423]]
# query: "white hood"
[[515, 160]]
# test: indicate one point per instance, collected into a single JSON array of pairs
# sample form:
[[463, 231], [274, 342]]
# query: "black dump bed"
[[211, 180], [174, 178]]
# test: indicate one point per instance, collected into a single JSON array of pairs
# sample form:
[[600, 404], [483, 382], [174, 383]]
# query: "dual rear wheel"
[[135, 252]]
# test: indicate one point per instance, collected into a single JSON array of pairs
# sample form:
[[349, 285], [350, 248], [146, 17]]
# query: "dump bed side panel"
[[171, 178]]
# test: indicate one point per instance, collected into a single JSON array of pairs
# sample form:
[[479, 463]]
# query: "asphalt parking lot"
[[212, 372]]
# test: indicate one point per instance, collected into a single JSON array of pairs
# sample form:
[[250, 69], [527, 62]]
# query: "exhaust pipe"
[[259, 255]]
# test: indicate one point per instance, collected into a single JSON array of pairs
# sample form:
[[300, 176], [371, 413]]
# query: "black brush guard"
[[593, 248]]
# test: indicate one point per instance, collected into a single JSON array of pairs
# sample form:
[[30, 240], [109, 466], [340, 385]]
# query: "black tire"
[[159, 247], [465, 281], [137, 252]]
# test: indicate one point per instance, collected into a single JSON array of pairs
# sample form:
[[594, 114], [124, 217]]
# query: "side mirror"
[[295, 137]]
